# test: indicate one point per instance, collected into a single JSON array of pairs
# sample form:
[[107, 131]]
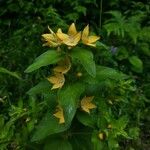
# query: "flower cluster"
[[70, 39]]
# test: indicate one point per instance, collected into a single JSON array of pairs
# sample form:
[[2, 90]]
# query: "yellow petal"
[[53, 79], [48, 37], [86, 104], [62, 36], [72, 29], [59, 114], [64, 66], [57, 80], [73, 41], [59, 31], [62, 69], [77, 37], [85, 33], [89, 40], [93, 45], [51, 44], [57, 85], [93, 39]]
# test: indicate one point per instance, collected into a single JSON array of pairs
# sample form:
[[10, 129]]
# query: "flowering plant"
[[75, 90]]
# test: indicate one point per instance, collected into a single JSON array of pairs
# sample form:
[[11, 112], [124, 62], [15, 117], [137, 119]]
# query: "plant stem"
[[100, 16]]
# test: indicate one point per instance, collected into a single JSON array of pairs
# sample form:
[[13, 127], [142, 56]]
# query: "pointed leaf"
[[14, 74], [137, 64], [104, 73], [47, 126], [41, 87], [86, 59], [86, 119], [47, 58], [58, 144]]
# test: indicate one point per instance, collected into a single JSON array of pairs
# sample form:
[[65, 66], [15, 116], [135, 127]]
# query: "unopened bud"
[[79, 74], [109, 126], [110, 102], [101, 136]]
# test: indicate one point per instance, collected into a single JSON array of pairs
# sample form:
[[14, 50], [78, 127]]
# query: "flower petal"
[[59, 30], [93, 45], [48, 37], [64, 66], [60, 115], [85, 33], [77, 37], [72, 29], [57, 80], [62, 36], [73, 41], [92, 39], [86, 104]]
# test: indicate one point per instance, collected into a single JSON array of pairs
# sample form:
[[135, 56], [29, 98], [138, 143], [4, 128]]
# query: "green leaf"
[[105, 73], [113, 143], [121, 123], [136, 64], [102, 45], [86, 119], [86, 59], [14, 74], [78, 140], [68, 99], [48, 125], [58, 144], [144, 47], [122, 53], [41, 87], [47, 58], [134, 132]]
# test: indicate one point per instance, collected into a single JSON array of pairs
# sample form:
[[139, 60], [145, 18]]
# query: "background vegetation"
[[124, 28]]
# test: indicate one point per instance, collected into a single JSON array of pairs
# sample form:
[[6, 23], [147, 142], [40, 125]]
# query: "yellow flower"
[[89, 40], [51, 39], [72, 38], [86, 104], [57, 80], [59, 114], [63, 66]]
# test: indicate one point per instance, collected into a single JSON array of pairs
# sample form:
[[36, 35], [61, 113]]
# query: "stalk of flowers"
[[71, 39]]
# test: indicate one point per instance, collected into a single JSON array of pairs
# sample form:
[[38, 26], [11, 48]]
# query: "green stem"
[[100, 16]]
